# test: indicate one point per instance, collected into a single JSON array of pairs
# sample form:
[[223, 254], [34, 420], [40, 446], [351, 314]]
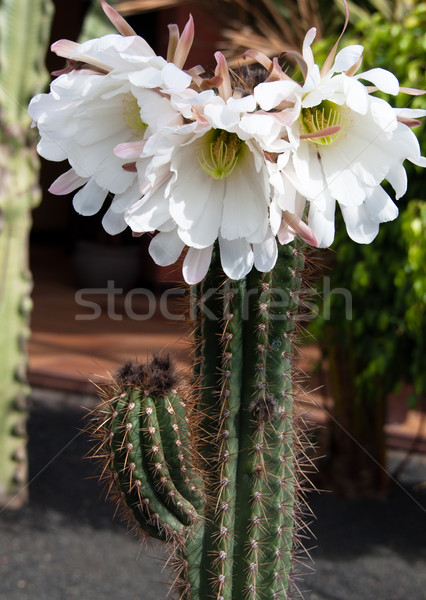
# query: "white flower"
[[211, 178], [94, 106], [202, 162], [218, 188], [344, 143], [192, 163]]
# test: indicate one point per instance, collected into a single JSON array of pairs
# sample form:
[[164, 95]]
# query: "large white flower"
[[202, 162], [211, 180], [95, 105], [345, 143], [217, 188]]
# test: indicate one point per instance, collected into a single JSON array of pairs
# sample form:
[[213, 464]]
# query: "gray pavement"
[[65, 543]]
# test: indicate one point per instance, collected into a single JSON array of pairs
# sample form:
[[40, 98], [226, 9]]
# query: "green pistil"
[[131, 115], [224, 149], [326, 114]]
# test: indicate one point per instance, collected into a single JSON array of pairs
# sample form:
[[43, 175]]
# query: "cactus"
[[24, 30], [211, 467]]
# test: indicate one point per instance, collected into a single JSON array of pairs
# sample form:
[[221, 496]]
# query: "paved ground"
[[65, 543]]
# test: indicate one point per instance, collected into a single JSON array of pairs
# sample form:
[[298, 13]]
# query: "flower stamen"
[[322, 117], [131, 115], [223, 152]]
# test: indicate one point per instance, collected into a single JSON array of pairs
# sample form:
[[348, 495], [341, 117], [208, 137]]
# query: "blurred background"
[[361, 358]]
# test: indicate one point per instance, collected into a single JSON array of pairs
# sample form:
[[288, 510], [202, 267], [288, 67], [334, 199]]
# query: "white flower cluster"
[[200, 160]]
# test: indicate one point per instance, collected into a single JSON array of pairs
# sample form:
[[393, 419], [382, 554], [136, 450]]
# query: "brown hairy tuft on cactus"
[[157, 377]]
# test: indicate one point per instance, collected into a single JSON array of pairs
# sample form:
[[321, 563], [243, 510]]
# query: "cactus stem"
[[212, 466]]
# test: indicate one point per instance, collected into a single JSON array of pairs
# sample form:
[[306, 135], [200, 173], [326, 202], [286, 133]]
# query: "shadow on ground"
[[65, 543]]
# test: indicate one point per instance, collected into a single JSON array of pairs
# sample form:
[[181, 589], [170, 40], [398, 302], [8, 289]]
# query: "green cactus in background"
[[94, 24], [212, 468], [24, 33]]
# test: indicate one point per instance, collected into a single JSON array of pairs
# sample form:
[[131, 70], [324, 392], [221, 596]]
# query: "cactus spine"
[[212, 469], [24, 30]]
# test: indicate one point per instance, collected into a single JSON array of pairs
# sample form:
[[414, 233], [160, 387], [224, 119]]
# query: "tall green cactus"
[[211, 469], [24, 31]]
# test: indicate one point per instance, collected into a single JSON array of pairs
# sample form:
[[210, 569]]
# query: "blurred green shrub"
[[387, 278], [382, 346]]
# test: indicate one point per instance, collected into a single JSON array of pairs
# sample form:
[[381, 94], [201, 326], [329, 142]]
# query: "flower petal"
[[313, 80], [64, 48], [307, 176], [365, 152], [196, 264], [156, 110], [397, 177], [236, 257], [383, 114], [113, 222], [265, 254], [125, 199], [245, 204], [356, 95], [165, 248], [148, 77], [49, 149], [298, 226], [285, 235], [129, 150], [262, 127], [88, 201], [308, 55], [182, 45], [191, 191], [66, 183], [382, 79], [381, 207], [360, 226], [275, 217], [410, 113], [269, 94], [244, 104], [205, 230], [347, 57], [221, 116], [321, 222], [342, 183], [150, 214], [117, 20], [175, 79]]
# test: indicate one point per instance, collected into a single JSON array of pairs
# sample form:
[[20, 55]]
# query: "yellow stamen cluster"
[[131, 115], [224, 149], [326, 114]]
